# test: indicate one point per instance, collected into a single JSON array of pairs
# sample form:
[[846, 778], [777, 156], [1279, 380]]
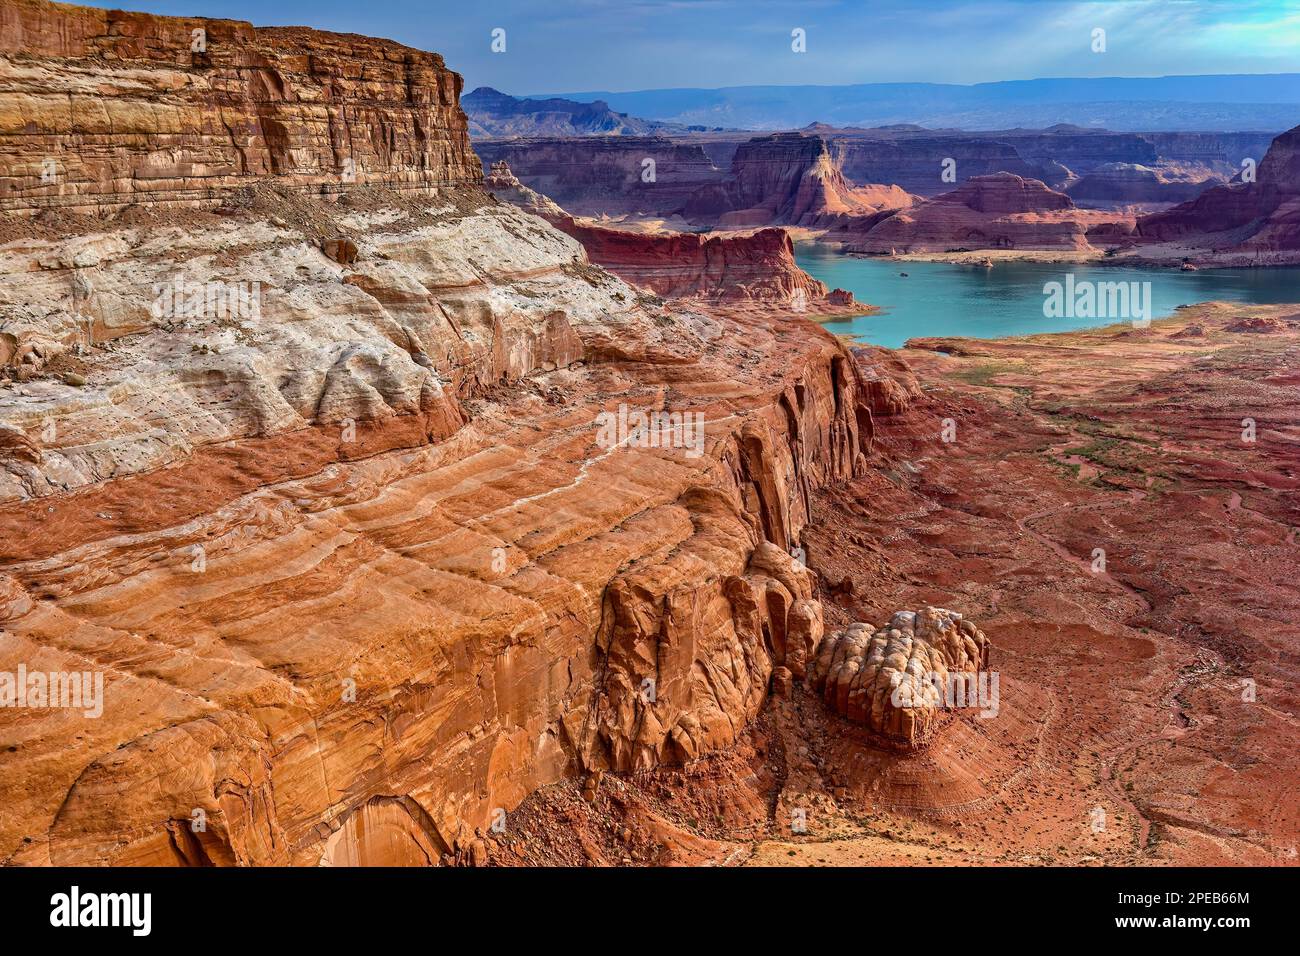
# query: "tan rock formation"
[[893, 680]]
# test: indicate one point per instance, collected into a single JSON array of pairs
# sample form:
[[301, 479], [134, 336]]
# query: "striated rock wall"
[[916, 162], [756, 267], [349, 648], [1134, 183], [1260, 216], [102, 108], [607, 175]]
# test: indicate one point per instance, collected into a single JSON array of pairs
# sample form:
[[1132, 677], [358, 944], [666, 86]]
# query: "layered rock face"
[[916, 162], [913, 158], [822, 177], [397, 574], [100, 109], [1208, 154], [1134, 183], [607, 175], [1002, 211], [896, 681], [888, 380], [1260, 216], [791, 179], [376, 514], [756, 267]]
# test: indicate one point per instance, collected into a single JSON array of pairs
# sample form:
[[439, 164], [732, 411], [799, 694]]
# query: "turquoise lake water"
[[943, 298]]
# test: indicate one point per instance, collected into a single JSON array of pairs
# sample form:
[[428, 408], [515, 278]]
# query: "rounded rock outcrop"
[[894, 680]]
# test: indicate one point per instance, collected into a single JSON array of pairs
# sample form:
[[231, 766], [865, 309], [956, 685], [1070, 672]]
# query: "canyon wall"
[[741, 268], [913, 158], [101, 108], [395, 576], [607, 175], [1251, 217], [754, 267], [1133, 183], [917, 163], [817, 177], [493, 113], [369, 538]]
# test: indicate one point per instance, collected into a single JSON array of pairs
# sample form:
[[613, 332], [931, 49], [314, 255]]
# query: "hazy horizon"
[[717, 44]]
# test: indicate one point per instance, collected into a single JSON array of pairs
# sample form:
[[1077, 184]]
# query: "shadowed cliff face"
[[613, 175], [100, 109], [493, 113], [373, 515], [1263, 215]]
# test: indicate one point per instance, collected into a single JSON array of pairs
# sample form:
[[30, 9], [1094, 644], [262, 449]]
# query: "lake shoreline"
[[1173, 259], [913, 298]]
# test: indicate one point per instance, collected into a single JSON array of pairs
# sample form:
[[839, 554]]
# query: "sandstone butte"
[[788, 178], [997, 211], [348, 550]]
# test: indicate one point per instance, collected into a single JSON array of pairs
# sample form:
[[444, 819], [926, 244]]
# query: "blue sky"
[[554, 45]]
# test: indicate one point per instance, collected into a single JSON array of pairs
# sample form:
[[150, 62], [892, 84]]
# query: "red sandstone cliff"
[[790, 179], [754, 267], [1263, 216], [102, 108]]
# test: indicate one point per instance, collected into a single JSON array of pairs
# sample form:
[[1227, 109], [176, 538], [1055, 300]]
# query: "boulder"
[[891, 680]]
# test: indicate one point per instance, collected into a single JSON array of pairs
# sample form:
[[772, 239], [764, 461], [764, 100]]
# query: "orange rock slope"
[[1099, 516], [367, 547]]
